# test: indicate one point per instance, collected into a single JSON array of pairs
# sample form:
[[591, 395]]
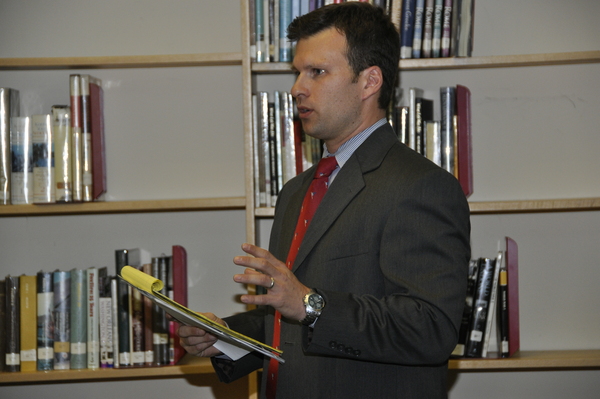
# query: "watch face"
[[315, 301]]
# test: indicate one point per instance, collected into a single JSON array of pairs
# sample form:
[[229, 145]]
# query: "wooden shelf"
[[189, 365], [133, 61], [496, 207], [532, 360], [494, 61], [90, 208]]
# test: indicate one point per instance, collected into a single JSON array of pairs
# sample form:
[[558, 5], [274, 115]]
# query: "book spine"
[[137, 326], [86, 139], [503, 313], [13, 345], [512, 270], [407, 24], [43, 162], [114, 303], [428, 28], [265, 170], [28, 322], [148, 338], [93, 325], [78, 319], [433, 142], [45, 321], [160, 322], [3, 329], [97, 134], [105, 319], [9, 107], [465, 323], [438, 18], [413, 95], [261, 50], [62, 324], [21, 179], [481, 300], [121, 259], [61, 129], [418, 30], [448, 103], [76, 137], [463, 139], [446, 28], [289, 141], [492, 305], [285, 18]]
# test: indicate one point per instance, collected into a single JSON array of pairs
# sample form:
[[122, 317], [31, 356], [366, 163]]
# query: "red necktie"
[[312, 199]]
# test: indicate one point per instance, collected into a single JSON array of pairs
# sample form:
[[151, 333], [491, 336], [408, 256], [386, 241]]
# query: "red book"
[[463, 138], [97, 131], [512, 269], [180, 295]]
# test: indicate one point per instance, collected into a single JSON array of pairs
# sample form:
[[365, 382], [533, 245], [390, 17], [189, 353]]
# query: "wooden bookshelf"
[[189, 365], [496, 207], [493, 61], [129, 61], [532, 360], [90, 208]]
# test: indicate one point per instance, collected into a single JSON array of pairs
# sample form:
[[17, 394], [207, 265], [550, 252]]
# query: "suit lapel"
[[347, 184]]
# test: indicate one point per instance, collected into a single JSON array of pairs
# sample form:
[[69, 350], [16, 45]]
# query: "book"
[[28, 322], [433, 142], [105, 320], [160, 323], [63, 176], [407, 25], [288, 141], [491, 312], [465, 323], [11, 325], [512, 286], [230, 342], [122, 321], [43, 159], [78, 319], [62, 315], [148, 333], [76, 137], [45, 321], [438, 18], [428, 28], [86, 139], [93, 324], [418, 28], [9, 107], [413, 94], [464, 27], [481, 299], [446, 28], [285, 18], [97, 132], [114, 303], [137, 258], [262, 54], [21, 178], [464, 152], [263, 151], [180, 295], [502, 312], [3, 329], [447, 106], [423, 113]]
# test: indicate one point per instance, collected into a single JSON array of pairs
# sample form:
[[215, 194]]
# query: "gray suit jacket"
[[388, 248]]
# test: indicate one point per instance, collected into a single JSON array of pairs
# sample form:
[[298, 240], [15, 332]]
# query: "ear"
[[373, 80]]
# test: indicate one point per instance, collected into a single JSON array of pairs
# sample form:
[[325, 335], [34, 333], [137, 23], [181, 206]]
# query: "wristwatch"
[[313, 304]]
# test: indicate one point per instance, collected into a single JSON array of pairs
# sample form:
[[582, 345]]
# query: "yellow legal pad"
[[230, 342]]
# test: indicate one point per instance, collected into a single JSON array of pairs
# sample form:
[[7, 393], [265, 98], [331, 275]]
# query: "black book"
[[124, 360], [465, 323], [481, 300], [160, 323]]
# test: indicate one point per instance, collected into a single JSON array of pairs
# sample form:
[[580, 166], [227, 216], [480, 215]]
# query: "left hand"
[[287, 292]]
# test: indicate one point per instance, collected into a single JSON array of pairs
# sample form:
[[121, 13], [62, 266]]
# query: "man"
[[386, 252]]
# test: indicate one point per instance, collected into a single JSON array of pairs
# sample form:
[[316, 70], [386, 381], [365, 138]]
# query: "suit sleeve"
[[421, 254]]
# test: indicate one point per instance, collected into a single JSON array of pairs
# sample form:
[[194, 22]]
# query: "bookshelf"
[[257, 77]]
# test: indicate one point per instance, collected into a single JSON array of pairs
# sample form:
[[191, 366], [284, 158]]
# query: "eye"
[[318, 71]]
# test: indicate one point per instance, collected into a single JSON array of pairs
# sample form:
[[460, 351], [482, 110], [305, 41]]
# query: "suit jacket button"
[[341, 348], [357, 353], [349, 350], [333, 345]]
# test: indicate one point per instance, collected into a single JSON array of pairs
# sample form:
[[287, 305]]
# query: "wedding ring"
[[272, 283]]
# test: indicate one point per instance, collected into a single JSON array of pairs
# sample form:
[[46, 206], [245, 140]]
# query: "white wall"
[[535, 136]]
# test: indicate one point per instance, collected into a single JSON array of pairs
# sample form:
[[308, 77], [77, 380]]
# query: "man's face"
[[327, 95]]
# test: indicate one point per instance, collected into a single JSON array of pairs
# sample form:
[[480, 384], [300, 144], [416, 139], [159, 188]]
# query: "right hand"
[[198, 342]]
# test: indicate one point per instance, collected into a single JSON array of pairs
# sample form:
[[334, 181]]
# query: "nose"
[[298, 88]]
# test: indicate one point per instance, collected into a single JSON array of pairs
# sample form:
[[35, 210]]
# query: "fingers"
[[197, 341]]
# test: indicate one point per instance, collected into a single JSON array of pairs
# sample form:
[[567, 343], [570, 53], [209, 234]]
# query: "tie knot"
[[325, 167]]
